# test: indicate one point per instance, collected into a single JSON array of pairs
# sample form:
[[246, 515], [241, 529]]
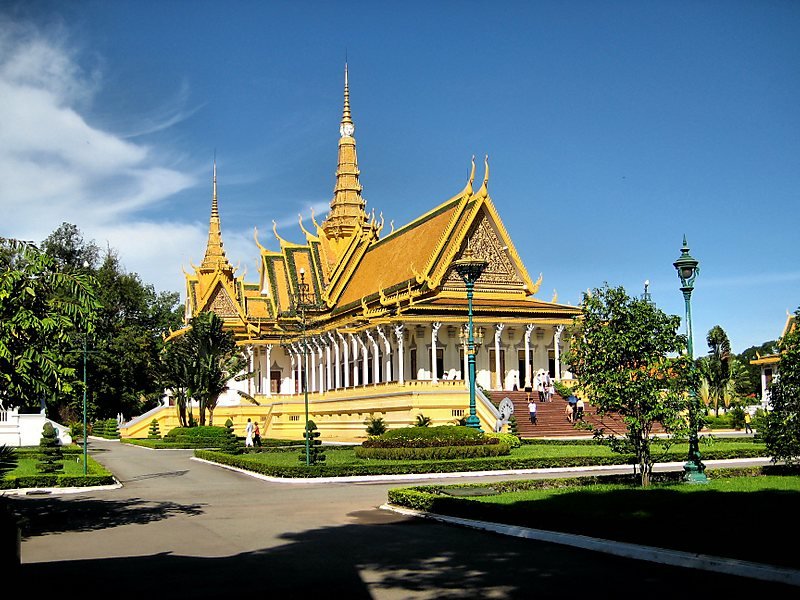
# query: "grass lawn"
[[735, 517]]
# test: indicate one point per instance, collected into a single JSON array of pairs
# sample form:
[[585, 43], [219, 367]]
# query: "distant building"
[[769, 363]]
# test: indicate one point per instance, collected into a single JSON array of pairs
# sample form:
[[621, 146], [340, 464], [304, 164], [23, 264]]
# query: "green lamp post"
[[302, 305], [687, 268], [469, 269]]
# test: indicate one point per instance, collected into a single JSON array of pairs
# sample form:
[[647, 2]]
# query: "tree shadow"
[[382, 555], [39, 516]]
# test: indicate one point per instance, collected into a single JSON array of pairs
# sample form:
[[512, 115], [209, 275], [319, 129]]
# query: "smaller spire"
[[215, 254]]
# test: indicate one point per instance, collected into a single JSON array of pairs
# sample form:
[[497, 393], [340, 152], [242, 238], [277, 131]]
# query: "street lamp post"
[[85, 336], [470, 269], [687, 268], [302, 304]]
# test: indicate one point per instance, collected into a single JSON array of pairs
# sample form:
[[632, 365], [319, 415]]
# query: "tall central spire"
[[215, 254], [347, 207]]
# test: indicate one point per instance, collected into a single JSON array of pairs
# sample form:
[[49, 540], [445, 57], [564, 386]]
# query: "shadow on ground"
[[383, 555]]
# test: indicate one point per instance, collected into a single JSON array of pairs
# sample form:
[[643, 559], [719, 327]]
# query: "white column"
[[364, 361], [328, 374], [293, 371], [321, 365], [375, 358], [557, 350], [301, 365], [398, 333], [346, 353], [266, 372], [354, 343], [498, 375], [434, 333], [251, 367], [387, 355], [528, 331], [337, 377]]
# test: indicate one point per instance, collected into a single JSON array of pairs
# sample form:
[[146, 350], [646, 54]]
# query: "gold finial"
[[347, 127], [215, 254], [484, 191]]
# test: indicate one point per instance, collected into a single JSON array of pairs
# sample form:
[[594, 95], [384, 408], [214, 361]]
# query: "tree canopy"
[[628, 356], [126, 339], [41, 305], [782, 431]]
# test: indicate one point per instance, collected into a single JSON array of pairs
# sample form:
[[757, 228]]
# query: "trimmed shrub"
[[513, 426], [434, 452], [316, 453], [506, 438], [421, 437], [209, 436], [154, 433], [51, 455], [229, 443]]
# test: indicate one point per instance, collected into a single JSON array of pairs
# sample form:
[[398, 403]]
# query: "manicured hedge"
[[46, 481], [490, 448]]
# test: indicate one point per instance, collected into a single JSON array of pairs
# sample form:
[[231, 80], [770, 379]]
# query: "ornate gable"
[[221, 303]]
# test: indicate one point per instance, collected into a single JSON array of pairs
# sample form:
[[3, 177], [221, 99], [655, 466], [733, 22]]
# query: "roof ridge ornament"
[[484, 191]]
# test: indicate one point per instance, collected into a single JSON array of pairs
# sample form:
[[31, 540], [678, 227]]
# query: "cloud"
[[55, 166]]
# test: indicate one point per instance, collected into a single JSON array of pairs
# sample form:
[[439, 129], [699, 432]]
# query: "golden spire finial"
[[347, 211], [215, 254]]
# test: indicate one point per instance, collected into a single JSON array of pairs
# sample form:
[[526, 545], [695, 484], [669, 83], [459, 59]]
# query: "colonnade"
[[397, 352]]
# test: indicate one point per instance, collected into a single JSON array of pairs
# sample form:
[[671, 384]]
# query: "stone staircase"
[[552, 421]]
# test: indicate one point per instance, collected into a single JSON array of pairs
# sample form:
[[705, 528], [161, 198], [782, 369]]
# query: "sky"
[[612, 129]]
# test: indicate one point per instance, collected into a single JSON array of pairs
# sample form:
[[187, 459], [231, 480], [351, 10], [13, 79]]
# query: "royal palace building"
[[375, 321]]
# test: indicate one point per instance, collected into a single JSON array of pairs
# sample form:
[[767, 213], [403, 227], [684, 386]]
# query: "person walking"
[[256, 435], [540, 385], [248, 434], [568, 411], [747, 419], [532, 412], [550, 387], [579, 406]]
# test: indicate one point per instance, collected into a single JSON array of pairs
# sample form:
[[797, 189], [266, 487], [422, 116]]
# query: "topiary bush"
[[506, 438], [230, 443], [316, 453], [496, 448], [51, 456], [513, 426], [154, 433]]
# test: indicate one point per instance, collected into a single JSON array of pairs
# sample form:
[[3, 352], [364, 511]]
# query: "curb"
[[677, 558]]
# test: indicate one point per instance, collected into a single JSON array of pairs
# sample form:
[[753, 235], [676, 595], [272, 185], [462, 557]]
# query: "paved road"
[[179, 528]]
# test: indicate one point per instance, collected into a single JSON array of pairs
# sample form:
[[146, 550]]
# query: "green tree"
[[752, 378], [623, 351], [124, 347], [41, 306], [202, 363], [782, 423], [715, 366]]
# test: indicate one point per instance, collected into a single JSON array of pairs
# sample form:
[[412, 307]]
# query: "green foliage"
[[752, 378], [434, 452], [443, 435], [316, 453], [622, 350], [375, 426], [230, 443], [198, 437], [41, 306], [199, 364], [76, 430], [106, 428], [782, 431], [562, 390], [513, 426], [124, 345], [506, 438], [8, 459], [423, 421], [51, 455], [154, 433], [737, 417]]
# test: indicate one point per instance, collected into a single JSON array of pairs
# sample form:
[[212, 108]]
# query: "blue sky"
[[612, 129]]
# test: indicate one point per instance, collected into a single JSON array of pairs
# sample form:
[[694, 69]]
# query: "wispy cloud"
[[55, 166]]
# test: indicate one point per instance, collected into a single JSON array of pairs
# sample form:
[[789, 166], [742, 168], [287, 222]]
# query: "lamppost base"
[[694, 473], [474, 422]]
